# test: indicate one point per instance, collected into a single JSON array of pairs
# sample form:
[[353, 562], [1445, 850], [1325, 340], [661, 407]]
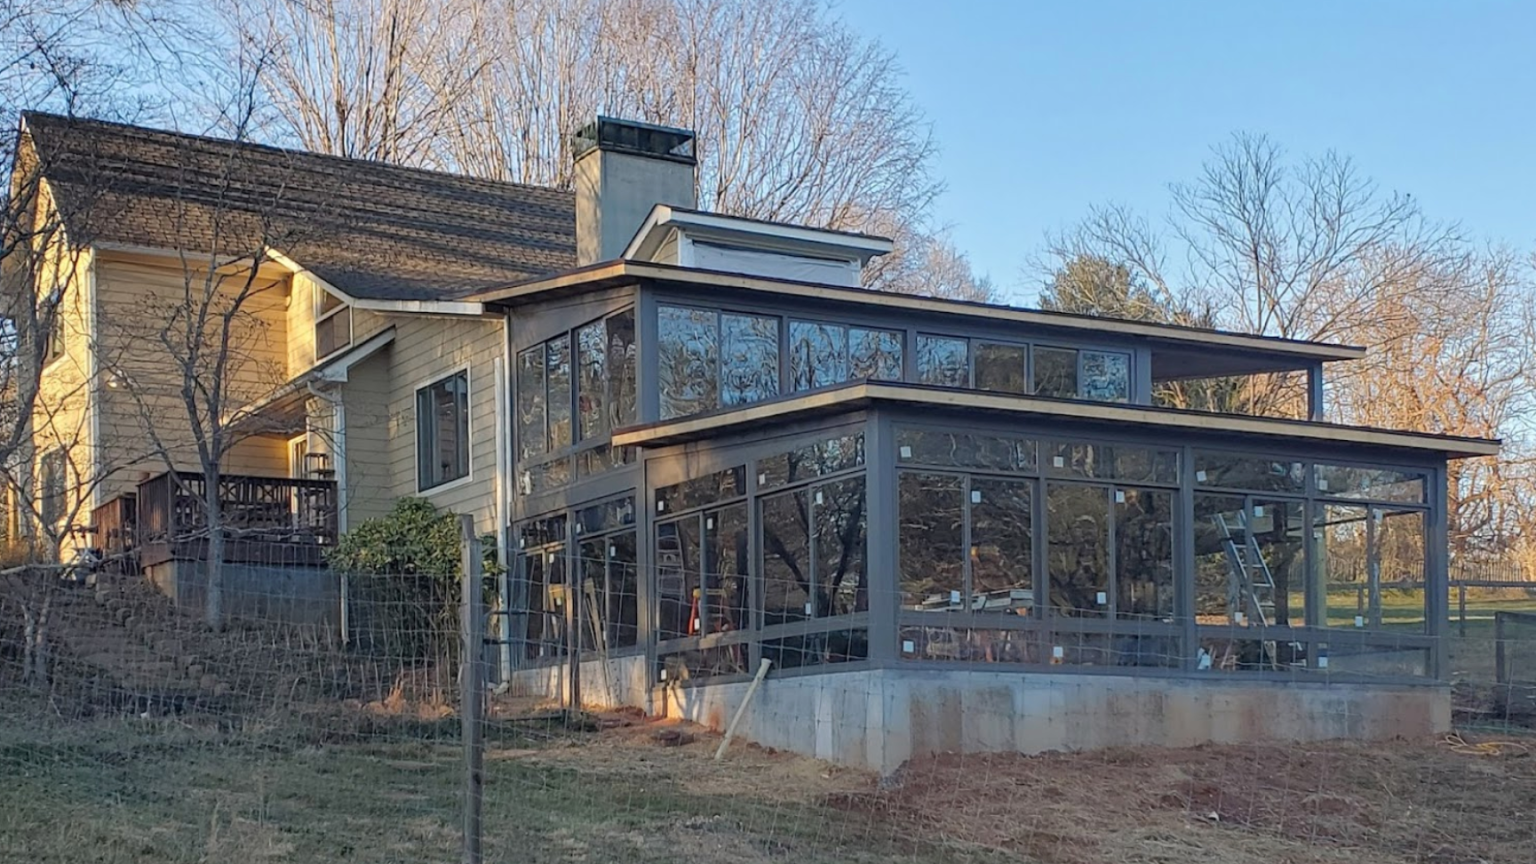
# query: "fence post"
[[1500, 674], [1461, 608], [575, 583], [472, 689]]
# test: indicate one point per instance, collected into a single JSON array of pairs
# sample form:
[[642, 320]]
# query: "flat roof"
[[612, 273], [863, 394]]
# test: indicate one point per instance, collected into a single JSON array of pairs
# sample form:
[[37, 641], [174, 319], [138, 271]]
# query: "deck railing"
[[267, 520]]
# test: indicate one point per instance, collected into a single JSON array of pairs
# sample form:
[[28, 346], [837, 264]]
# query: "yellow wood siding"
[[370, 473], [301, 324], [61, 416], [143, 415]]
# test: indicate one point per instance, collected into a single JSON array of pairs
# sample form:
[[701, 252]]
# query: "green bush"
[[403, 573]]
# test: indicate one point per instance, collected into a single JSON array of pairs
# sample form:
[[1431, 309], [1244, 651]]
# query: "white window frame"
[[469, 430]]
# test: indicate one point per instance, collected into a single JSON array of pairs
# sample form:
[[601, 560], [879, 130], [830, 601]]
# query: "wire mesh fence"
[[132, 732]]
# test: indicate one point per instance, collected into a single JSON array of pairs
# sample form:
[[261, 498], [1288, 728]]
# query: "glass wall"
[[572, 391], [713, 358], [577, 581]]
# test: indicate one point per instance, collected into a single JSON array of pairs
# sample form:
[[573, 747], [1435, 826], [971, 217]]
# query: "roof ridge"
[[29, 115]]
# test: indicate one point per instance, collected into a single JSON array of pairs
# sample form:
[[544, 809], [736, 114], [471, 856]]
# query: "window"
[[333, 324], [1106, 376], [52, 470], [1056, 372], [573, 390], [709, 359], [822, 354], [1002, 367], [943, 361], [442, 431]]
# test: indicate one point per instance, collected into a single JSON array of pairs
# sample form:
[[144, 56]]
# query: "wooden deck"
[[266, 520]]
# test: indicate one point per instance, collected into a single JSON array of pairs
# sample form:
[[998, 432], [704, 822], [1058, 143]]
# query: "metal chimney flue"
[[623, 169]]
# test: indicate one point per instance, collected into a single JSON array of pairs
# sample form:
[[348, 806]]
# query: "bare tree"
[[798, 119]]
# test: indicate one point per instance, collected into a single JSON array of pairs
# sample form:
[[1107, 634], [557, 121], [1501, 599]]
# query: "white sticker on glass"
[[1200, 476], [1241, 619], [1103, 598], [762, 479], [809, 609], [1057, 652], [1322, 484], [907, 647], [954, 596], [660, 506], [818, 497], [906, 453], [710, 523], [975, 496], [1058, 461], [613, 550], [1258, 512], [1322, 662], [1359, 620], [1119, 497]]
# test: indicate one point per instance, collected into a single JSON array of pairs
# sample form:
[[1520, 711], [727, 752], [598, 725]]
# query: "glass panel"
[[546, 476], [538, 532], [1106, 376], [1341, 570], [1056, 372], [1400, 572], [958, 450], [943, 361], [817, 649], [592, 565], [621, 370], [623, 591], [703, 664], [970, 645], [1077, 554], [874, 354], [606, 516], [749, 354], [818, 354], [1144, 554], [1216, 595], [687, 360], [731, 483], [727, 586], [1002, 367], [546, 599], [677, 576], [1275, 561], [442, 432], [1370, 563], [331, 334], [1239, 471], [557, 370], [531, 435], [840, 530], [592, 381], [326, 301], [812, 460], [932, 541], [786, 551], [1001, 546], [1379, 484], [1114, 462]]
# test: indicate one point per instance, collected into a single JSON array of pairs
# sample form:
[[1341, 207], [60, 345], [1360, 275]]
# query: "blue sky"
[[1042, 109]]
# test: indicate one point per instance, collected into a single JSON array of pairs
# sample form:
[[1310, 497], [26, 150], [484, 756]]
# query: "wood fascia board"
[[860, 395], [1315, 351]]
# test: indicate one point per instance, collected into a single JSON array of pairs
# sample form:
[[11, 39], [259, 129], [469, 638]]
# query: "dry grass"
[[357, 786]]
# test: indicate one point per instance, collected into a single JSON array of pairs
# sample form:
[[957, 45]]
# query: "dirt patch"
[[1321, 803]]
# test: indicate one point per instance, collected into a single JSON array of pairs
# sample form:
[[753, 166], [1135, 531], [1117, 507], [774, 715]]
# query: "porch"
[[266, 520]]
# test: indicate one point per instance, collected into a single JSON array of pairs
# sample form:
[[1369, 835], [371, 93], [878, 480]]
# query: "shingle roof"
[[372, 230]]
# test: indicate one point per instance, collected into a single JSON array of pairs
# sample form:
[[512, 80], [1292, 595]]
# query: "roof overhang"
[[774, 236], [609, 274], [860, 395]]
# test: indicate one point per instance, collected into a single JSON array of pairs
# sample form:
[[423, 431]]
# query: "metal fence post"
[[472, 695]]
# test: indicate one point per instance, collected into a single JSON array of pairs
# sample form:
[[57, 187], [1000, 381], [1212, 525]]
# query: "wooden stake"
[[762, 672]]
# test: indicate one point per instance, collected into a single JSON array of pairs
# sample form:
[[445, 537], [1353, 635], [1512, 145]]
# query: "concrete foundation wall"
[[294, 595], [879, 718]]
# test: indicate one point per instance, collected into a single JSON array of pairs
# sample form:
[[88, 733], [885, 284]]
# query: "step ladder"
[[1250, 584]]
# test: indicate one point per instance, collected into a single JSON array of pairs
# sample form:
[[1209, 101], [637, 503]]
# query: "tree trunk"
[[214, 598]]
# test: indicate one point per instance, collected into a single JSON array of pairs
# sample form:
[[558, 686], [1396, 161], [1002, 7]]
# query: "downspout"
[[503, 411], [339, 457]]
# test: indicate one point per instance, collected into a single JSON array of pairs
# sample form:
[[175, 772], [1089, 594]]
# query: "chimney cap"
[[636, 138]]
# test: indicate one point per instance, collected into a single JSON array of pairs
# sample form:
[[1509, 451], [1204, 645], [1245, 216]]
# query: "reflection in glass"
[[970, 645], [749, 358], [1056, 372], [943, 361], [623, 597], [874, 354], [816, 649], [1378, 484], [699, 491], [592, 381], [786, 551], [812, 460], [931, 541], [1247, 471], [531, 435], [557, 366], [677, 575], [688, 360], [621, 369], [1002, 367], [1077, 551], [1114, 462], [1106, 376], [1370, 564], [726, 596], [1001, 546], [959, 450], [818, 354], [1144, 554], [840, 547]]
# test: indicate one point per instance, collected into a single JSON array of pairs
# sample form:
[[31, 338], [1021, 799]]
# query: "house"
[[946, 526]]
